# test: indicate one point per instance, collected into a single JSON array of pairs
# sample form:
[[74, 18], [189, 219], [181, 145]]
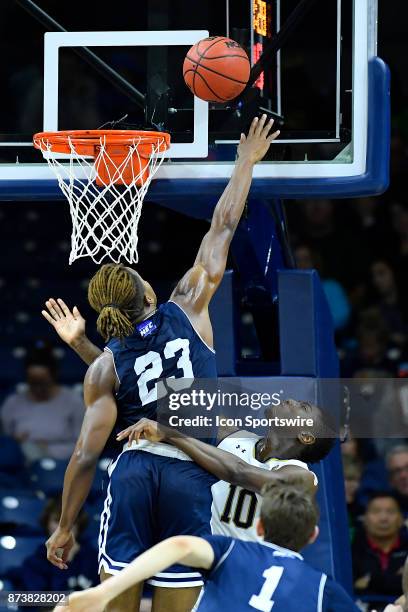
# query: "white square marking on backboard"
[[54, 40]]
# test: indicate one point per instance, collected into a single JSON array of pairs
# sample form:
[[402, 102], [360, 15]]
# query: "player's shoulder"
[[172, 307], [277, 464], [101, 370], [172, 314], [242, 444], [222, 547], [178, 312], [240, 436], [335, 598]]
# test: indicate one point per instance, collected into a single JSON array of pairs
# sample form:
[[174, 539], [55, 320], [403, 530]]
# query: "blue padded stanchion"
[[308, 349]]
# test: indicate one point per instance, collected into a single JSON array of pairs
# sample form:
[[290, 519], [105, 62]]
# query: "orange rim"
[[59, 142]]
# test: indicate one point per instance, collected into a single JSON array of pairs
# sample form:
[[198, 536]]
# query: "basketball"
[[216, 69]]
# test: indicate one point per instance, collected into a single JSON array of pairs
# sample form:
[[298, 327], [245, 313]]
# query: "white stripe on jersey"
[[321, 591], [235, 511]]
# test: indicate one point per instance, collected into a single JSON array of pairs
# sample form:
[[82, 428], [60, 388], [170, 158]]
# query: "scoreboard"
[[265, 17], [262, 29]]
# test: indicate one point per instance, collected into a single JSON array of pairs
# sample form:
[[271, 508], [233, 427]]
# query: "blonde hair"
[[118, 297]]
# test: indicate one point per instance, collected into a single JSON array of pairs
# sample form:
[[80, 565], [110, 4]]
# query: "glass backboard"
[[126, 71]]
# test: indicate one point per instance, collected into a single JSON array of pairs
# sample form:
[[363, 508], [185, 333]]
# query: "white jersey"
[[235, 511]]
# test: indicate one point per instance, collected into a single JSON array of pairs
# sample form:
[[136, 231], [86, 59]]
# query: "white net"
[[105, 217]]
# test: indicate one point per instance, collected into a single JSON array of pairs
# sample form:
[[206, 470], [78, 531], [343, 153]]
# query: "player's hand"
[[59, 545], [255, 145], [69, 325], [402, 601], [91, 600], [145, 429]]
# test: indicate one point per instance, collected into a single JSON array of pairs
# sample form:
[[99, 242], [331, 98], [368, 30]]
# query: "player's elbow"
[[183, 544], [225, 221], [85, 459]]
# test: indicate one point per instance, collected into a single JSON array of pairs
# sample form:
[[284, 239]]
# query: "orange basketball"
[[216, 69]]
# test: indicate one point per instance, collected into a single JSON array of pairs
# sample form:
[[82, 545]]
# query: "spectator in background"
[[37, 574], [374, 478], [45, 417], [307, 259], [326, 234], [399, 215], [397, 466], [353, 471], [388, 301], [370, 357], [380, 549], [371, 225]]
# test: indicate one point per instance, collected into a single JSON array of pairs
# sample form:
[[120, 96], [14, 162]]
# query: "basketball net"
[[105, 193]]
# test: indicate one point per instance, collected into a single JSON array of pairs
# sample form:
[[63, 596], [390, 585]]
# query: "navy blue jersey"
[[163, 346], [250, 576]]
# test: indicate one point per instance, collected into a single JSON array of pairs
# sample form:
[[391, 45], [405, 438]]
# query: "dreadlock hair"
[[288, 512], [118, 297]]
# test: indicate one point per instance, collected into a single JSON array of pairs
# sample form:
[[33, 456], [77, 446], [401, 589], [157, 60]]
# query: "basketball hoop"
[[105, 178]]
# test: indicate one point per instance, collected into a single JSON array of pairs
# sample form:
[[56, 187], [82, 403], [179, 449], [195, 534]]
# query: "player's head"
[[310, 443], [289, 515], [120, 296]]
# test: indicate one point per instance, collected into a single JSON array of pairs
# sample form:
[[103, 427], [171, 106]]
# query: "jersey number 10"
[[234, 507]]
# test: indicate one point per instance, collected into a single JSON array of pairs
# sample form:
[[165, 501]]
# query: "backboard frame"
[[367, 172]]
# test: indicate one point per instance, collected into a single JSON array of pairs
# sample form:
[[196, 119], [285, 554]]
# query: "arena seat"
[[47, 475], [20, 513], [14, 550], [17, 483], [11, 456], [6, 585]]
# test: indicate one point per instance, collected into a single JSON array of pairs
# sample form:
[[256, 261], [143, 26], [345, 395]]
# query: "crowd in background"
[[360, 249]]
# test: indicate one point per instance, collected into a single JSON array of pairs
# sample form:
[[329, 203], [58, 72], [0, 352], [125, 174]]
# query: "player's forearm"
[[231, 205], [220, 463], [86, 350], [77, 484], [146, 565]]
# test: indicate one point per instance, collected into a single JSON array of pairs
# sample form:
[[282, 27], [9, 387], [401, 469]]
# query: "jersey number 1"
[[149, 368], [263, 601]]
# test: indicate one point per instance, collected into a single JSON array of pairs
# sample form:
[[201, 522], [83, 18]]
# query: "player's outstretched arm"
[[195, 290], [218, 462], [70, 326], [187, 550], [99, 419]]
